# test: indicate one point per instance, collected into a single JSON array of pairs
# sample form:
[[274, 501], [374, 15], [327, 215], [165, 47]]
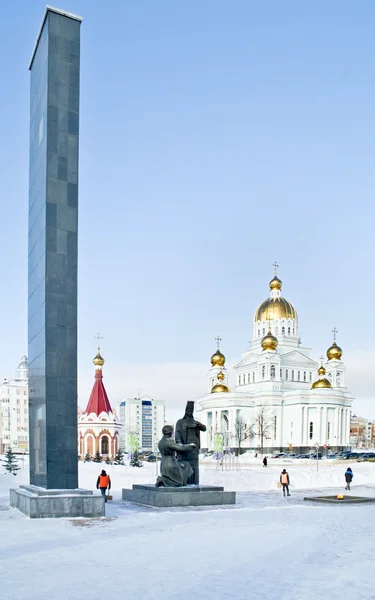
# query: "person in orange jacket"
[[103, 482], [285, 482]]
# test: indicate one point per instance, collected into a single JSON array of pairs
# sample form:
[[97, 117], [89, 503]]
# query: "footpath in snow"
[[266, 547]]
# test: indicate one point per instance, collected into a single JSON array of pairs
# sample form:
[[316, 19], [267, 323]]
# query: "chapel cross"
[[218, 340], [98, 337], [321, 359], [275, 266], [335, 332]]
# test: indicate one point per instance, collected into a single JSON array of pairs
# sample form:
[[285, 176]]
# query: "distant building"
[[142, 421], [14, 411], [362, 432], [98, 426]]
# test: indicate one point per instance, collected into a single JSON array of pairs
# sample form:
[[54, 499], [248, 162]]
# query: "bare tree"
[[242, 432], [263, 425]]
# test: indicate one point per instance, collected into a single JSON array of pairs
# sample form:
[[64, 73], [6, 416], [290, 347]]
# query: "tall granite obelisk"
[[52, 258]]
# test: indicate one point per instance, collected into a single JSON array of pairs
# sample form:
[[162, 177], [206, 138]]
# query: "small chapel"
[[98, 427], [286, 399]]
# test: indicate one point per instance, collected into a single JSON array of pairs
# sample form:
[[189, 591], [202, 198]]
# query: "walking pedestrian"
[[285, 482], [265, 461], [103, 482], [348, 478]]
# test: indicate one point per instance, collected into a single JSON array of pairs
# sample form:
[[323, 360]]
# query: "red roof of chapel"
[[98, 401]]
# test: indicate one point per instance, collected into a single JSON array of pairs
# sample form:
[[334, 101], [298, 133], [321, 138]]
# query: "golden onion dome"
[[334, 352], [321, 370], [275, 283], [218, 359], [321, 383], [220, 387], [98, 360], [269, 342], [221, 376]]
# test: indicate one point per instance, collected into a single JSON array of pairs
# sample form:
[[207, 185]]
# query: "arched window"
[[90, 445], [281, 373], [292, 375], [304, 376], [248, 378], [273, 371], [286, 374], [258, 332], [288, 330], [329, 376], [310, 376], [299, 375], [264, 332], [104, 444], [239, 380], [263, 371], [283, 330], [244, 379], [212, 381], [253, 376], [328, 430], [338, 378], [293, 330], [311, 430]]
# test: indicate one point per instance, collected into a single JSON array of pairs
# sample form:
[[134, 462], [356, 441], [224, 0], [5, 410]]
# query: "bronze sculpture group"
[[180, 456]]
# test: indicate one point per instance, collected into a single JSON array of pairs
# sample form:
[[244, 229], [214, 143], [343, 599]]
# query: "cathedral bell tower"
[[217, 372]]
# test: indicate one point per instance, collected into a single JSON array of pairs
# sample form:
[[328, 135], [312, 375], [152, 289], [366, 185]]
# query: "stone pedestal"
[[201, 495], [39, 503]]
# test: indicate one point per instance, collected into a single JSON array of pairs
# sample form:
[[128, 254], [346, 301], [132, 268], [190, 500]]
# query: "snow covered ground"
[[266, 547]]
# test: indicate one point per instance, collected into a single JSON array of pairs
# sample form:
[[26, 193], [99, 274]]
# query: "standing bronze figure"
[[188, 432]]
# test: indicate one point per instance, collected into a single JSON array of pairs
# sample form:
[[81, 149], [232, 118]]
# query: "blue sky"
[[216, 137]]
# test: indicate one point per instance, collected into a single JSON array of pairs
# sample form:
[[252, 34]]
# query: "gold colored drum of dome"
[[269, 342], [98, 360], [334, 352], [220, 387], [276, 307], [321, 383]]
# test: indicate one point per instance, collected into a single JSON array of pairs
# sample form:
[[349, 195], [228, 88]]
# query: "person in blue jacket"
[[348, 478]]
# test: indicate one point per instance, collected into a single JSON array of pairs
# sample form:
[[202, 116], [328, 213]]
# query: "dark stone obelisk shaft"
[[52, 255]]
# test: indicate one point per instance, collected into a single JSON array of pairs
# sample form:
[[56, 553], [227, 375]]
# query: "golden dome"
[[220, 387], [274, 309], [321, 383], [221, 376], [334, 352], [275, 283], [269, 342], [98, 360], [218, 359]]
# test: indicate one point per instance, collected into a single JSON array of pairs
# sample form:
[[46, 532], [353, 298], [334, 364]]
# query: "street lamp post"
[[317, 456]]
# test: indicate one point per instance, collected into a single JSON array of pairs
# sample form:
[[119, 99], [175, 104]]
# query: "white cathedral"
[[283, 399]]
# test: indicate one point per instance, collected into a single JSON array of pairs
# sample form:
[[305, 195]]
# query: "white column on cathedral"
[[318, 419]]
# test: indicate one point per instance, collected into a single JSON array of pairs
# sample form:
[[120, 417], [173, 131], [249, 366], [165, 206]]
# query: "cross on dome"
[[98, 337], [275, 267], [218, 340], [321, 359], [335, 332]]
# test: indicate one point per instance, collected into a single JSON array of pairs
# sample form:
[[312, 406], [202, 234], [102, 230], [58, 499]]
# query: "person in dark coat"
[[285, 481], [348, 478], [103, 482], [188, 430], [265, 461], [173, 472]]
